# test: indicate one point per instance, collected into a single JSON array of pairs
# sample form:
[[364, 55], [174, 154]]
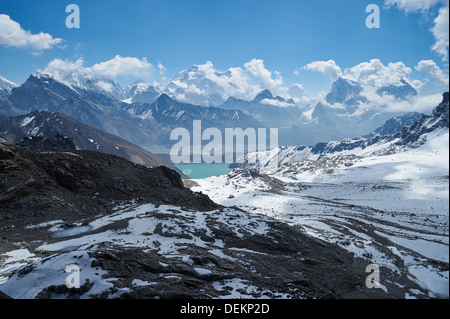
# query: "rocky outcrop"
[[168, 253], [50, 179], [43, 124], [438, 119]]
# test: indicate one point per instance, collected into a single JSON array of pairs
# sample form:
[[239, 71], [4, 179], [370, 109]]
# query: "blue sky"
[[286, 34]]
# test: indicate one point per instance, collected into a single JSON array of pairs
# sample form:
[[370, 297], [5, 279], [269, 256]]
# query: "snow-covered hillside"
[[145, 251], [429, 130], [385, 200]]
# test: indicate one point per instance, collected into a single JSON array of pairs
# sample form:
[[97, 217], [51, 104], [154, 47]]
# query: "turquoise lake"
[[199, 171]]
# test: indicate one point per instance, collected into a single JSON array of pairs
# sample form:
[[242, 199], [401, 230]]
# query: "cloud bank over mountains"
[[248, 80], [111, 69]]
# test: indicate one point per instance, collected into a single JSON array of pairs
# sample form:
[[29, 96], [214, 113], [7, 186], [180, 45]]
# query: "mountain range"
[[266, 108], [346, 111], [141, 124], [397, 134], [145, 114], [345, 108]]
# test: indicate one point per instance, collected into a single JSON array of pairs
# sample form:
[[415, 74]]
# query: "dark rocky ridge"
[[397, 124], [38, 186], [86, 137], [426, 124], [60, 143]]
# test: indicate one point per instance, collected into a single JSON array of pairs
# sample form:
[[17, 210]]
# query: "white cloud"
[[365, 70], [412, 5], [234, 82], [441, 32], [105, 86], [258, 70], [440, 29], [240, 82], [12, 35], [161, 68], [328, 68], [385, 103], [276, 103], [118, 66], [122, 66], [430, 67], [375, 73], [420, 103], [193, 89], [58, 66]]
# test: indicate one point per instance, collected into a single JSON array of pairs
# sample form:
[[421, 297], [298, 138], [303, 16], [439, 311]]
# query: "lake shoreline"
[[200, 171]]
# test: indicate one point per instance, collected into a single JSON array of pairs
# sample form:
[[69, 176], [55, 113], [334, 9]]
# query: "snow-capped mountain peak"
[[142, 92], [195, 86], [106, 86], [4, 83], [399, 89], [43, 78], [265, 94], [6, 86], [344, 91], [397, 135], [297, 92]]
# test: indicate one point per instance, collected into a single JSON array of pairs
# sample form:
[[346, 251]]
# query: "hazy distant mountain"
[[263, 95], [346, 92], [165, 114], [397, 123], [400, 90], [6, 86], [401, 135], [347, 112], [276, 112], [106, 86], [142, 92], [270, 110], [297, 91], [48, 124], [191, 86]]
